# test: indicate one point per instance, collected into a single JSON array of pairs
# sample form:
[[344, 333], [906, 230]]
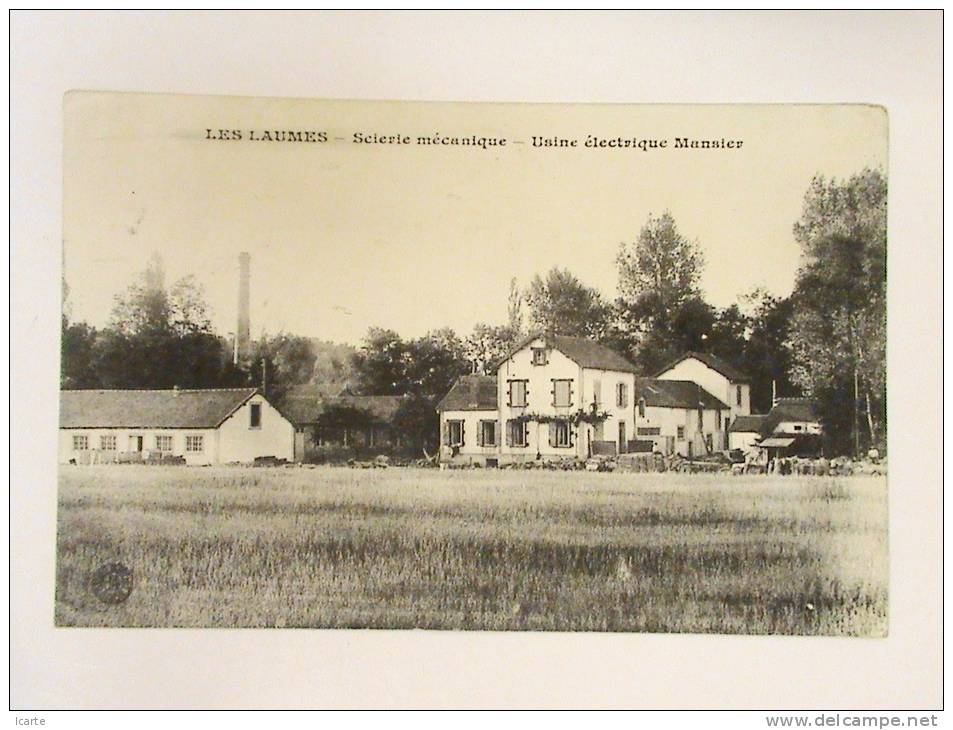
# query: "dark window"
[[681, 433], [563, 434], [738, 395], [454, 433], [641, 407], [517, 433], [622, 395], [539, 356], [649, 431], [487, 433], [255, 415]]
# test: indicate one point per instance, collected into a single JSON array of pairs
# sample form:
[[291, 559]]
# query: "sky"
[[344, 236]]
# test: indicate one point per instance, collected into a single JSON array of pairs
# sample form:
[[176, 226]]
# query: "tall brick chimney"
[[243, 330]]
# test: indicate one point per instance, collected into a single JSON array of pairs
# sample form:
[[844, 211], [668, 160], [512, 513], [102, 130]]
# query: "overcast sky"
[[345, 236]]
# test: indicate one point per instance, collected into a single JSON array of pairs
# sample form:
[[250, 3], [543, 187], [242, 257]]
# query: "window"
[[641, 407], [518, 393], [107, 442], [254, 415], [516, 433], [164, 443], [562, 393], [680, 433], [194, 443], [487, 434], [597, 392], [709, 443], [649, 431], [799, 427], [454, 433], [738, 395], [560, 434], [539, 356], [622, 395], [80, 443]]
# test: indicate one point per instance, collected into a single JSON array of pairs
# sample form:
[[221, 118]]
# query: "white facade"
[[586, 387], [743, 440], [540, 392], [678, 430], [234, 440], [474, 444], [737, 395], [796, 427]]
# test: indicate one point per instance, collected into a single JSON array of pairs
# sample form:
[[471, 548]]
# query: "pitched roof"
[[581, 350], [304, 405], [790, 409], [712, 361], [676, 394], [795, 409], [471, 393], [206, 408], [747, 424]]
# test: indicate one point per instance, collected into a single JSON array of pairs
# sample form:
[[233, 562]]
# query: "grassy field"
[[499, 550]]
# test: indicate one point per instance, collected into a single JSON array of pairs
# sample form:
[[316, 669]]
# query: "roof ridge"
[[158, 390]]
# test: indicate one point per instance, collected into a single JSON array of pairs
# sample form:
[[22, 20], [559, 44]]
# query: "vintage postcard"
[[508, 367]]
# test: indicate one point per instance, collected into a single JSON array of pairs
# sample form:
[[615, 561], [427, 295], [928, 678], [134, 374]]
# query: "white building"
[[469, 421], [719, 378], [556, 396], [679, 416], [745, 431], [212, 426], [792, 424]]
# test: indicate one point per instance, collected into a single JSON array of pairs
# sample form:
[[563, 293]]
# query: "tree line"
[[827, 339]]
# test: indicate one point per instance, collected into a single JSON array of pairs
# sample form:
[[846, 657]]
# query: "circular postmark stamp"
[[112, 582]]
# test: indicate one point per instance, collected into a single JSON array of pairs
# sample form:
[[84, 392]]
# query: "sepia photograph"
[[480, 367]]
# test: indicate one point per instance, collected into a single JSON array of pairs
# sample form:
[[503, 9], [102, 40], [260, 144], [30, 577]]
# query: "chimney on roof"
[[243, 331]]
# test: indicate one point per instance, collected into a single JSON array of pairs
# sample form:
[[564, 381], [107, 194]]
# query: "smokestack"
[[243, 331]]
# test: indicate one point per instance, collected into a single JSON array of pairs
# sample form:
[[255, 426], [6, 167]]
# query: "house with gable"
[[680, 417], [555, 396], [792, 426], [721, 379], [202, 426]]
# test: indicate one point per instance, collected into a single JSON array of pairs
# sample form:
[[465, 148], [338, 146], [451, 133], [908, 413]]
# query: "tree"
[[417, 421], [661, 270], [156, 338], [839, 323], [280, 362], [434, 362], [77, 352], [659, 297], [380, 365], [767, 356], [514, 309], [561, 304], [487, 345]]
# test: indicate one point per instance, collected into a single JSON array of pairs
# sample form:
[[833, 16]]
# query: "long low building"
[[209, 426]]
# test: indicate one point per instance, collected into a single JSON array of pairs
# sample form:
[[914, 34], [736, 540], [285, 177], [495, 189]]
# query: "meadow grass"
[[497, 550]]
